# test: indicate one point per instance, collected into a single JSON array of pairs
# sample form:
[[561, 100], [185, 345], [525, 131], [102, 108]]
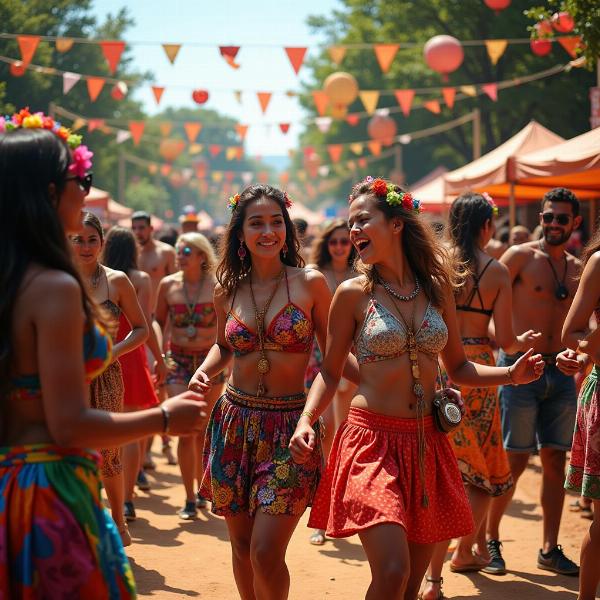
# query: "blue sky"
[[262, 23]]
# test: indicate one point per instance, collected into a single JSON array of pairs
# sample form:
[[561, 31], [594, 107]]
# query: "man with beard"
[[541, 414]]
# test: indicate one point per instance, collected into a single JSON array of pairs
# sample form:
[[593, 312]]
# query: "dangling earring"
[[284, 250], [242, 250]]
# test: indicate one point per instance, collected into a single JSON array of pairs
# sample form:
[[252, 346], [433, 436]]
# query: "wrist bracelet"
[[308, 413], [166, 417], [510, 377]]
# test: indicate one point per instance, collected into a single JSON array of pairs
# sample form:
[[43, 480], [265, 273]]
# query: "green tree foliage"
[[143, 194]]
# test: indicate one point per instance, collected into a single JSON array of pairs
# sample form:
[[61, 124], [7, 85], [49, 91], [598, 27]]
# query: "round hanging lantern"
[[170, 149], [497, 5], [563, 22], [341, 88], [312, 162], [382, 128], [17, 69], [200, 96], [444, 54], [541, 47]]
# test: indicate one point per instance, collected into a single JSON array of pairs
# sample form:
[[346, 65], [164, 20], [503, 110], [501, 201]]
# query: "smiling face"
[[339, 245], [87, 244], [558, 222], [264, 230]]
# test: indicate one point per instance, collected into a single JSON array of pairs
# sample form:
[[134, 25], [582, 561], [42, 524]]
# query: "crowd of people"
[[392, 380]]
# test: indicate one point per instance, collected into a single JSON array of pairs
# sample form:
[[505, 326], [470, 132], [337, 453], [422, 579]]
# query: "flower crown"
[[491, 202], [386, 190], [233, 201], [81, 162]]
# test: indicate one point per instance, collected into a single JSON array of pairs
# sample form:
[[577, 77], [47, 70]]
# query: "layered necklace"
[[190, 306], [561, 292], [96, 275], [263, 366]]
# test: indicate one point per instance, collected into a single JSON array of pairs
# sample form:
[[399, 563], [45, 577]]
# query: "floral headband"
[[385, 190], [491, 202], [81, 162], [233, 201]]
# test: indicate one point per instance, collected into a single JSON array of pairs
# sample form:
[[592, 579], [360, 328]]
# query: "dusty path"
[[175, 559]]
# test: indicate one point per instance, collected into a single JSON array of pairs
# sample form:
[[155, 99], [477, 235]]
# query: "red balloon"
[[200, 96], [443, 53], [497, 5], [563, 22], [382, 129], [17, 69], [541, 47]]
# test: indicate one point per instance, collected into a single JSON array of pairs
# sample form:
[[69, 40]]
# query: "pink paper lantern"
[[563, 22], [444, 54], [382, 129], [497, 5], [541, 47]]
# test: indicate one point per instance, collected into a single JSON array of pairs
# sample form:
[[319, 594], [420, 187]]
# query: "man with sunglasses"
[[541, 415]]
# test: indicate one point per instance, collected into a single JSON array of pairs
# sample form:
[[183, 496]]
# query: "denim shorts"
[[539, 414]]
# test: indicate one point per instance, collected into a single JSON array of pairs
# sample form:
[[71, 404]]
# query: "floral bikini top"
[[383, 336], [289, 331], [203, 317]]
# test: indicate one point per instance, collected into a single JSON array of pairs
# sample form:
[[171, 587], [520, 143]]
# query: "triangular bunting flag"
[[285, 127], [353, 120], [238, 96], [95, 124], [323, 123], [122, 136], [165, 169], [264, 98], [284, 178], [385, 54], [192, 130], [262, 176], [241, 130], [63, 44], [94, 86], [469, 90], [357, 148], [491, 89], [405, 99], [449, 93], [214, 149], [78, 123], [158, 92], [335, 151], [362, 162], [165, 128], [374, 147], [337, 53], [570, 44], [369, 99], [69, 80], [136, 129], [246, 177], [495, 49], [240, 152], [229, 175], [321, 100], [217, 176], [230, 153], [229, 53], [112, 53], [433, 106], [296, 56], [17, 69], [171, 50], [27, 45], [195, 148]]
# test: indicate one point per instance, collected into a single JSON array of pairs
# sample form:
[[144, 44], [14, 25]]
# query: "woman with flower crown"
[[391, 476], [56, 538], [268, 309]]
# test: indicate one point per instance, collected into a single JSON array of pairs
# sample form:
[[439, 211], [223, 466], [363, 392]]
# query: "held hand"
[[160, 371], [186, 413], [528, 367], [302, 442], [528, 338], [455, 396], [199, 382], [569, 362]]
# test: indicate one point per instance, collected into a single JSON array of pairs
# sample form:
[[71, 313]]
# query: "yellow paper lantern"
[[341, 88]]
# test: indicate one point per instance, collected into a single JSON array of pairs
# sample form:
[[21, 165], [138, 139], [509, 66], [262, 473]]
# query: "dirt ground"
[[176, 559]]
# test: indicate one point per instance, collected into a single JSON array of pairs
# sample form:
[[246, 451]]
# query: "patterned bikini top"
[[290, 330], [383, 336], [203, 317], [97, 354]]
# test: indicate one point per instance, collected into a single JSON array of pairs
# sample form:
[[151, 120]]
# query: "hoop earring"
[[242, 251], [284, 250]]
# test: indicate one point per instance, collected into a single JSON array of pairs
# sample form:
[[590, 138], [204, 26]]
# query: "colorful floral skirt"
[[373, 477], [56, 538], [583, 474], [477, 441], [247, 463]]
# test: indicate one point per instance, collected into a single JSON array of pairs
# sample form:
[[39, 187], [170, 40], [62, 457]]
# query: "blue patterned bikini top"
[[383, 336]]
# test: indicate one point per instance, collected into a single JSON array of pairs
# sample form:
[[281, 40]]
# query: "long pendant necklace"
[[263, 366], [190, 306], [561, 292], [95, 278]]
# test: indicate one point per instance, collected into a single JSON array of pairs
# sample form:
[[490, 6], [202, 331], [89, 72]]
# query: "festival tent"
[[108, 210], [430, 190]]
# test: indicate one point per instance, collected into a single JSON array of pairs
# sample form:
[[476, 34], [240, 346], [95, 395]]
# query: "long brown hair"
[[320, 254], [426, 256], [592, 246], [232, 268]]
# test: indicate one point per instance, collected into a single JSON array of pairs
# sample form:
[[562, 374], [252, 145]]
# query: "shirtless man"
[[541, 414]]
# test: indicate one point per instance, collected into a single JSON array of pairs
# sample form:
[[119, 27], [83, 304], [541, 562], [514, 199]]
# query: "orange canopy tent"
[[108, 210], [430, 190]]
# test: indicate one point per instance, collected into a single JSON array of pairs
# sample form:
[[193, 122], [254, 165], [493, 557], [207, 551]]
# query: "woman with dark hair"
[[268, 309], [583, 349], [120, 254], [391, 476], [56, 537], [483, 291], [333, 255]]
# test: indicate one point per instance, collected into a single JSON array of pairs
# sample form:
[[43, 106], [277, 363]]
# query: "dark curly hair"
[[561, 194]]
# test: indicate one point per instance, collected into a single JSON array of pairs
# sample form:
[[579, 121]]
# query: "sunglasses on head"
[[561, 218], [185, 251], [341, 242], [85, 182]]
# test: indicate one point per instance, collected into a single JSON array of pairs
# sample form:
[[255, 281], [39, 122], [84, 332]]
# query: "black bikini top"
[[467, 306]]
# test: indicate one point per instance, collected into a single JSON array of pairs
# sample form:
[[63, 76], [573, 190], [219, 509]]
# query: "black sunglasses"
[[561, 218], [85, 182]]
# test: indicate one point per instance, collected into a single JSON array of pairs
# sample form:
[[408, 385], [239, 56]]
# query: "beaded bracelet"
[[308, 413]]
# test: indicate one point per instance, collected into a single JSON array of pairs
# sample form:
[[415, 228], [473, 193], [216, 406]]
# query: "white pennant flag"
[[323, 123], [122, 136], [323, 170], [69, 80], [247, 177]]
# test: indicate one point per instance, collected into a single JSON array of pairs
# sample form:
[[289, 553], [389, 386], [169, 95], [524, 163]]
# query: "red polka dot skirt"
[[373, 477]]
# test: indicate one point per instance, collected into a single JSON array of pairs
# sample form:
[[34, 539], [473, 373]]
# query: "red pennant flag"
[[192, 130], [263, 177], [375, 147], [214, 149], [433, 106], [321, 100], [353, 120], [94, 86], [240, 152], [385, 54], [165, 169], [27, 45], [570, 44], [449, 93], [491, 89], [285, 127], [17, 69], [95, 124], [264, 98], [136, 128], [335, 151], [229, 53], [242, 130], [112, 53], [405, 99], [158, 92], [296, 56]]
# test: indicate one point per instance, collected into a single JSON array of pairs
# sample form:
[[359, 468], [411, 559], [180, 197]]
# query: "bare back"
[[158, 260]]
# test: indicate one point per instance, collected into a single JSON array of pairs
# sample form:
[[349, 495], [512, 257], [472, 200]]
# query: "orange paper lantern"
[[341, 88], [382, 128], [444, 54]]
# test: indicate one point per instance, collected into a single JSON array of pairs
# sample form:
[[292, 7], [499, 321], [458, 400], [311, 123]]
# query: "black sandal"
[[439, 580]]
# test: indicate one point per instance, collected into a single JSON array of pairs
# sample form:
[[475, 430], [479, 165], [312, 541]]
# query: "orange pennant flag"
[[229, 53], [63, 44], [112, 53], [240, 152], [165, 128], [241, 130], [491, 89], [433, 106], [136, 128], [27, 45], [94, 85], [264, 98], [321, 100], [375, 147], [405, 99], [353, 120], [95, 124], [570, 44], [495, 49], [284, 178], [192, 130], [385, 54], [158, 92], [370, 99], [296, 56], [285, 127], [337, 53], [335, 151], [171, 50], [449, 94]]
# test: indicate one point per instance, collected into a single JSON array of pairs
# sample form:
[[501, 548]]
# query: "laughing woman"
[[391, 476]]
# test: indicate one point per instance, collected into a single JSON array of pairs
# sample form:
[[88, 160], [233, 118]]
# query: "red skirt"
[[373, 477]]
